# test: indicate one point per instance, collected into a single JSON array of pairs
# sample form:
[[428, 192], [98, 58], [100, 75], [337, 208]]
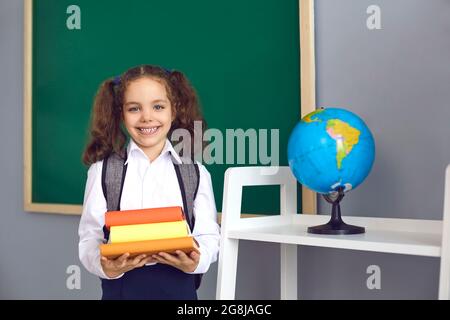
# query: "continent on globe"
[[346, 137], [309, 117]]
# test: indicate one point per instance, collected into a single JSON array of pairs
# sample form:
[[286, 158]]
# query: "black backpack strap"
[[188, 176], [113, 178]]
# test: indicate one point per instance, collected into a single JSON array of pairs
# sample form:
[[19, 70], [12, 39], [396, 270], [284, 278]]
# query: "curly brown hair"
[[107, 134]]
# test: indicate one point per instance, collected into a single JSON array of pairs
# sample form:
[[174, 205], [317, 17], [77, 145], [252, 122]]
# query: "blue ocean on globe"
[[331, 148]]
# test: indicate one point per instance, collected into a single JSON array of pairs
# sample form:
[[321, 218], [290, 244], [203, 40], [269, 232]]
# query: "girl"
[[149, 102]]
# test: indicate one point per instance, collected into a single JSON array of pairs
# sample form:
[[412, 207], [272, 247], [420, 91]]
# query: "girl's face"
[[147, 114]]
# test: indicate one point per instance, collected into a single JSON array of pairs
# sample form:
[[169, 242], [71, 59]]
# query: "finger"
[[143, 262], [169, 257], [195, 256], [182, 256], [122, 260], [161, 259], [149, 260], [123, 257], [105, 262], [138, 259]]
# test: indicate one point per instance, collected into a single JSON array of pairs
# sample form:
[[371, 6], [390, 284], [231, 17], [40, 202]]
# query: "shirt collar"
[[168, 149]]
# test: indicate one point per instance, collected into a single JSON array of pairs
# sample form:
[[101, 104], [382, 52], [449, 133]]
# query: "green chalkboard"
[[242, 56]]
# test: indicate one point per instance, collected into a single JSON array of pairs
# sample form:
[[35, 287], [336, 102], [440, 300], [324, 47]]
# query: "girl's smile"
[[148, 131]]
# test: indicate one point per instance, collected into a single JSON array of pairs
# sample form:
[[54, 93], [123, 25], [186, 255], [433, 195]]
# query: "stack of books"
[[147, 231]]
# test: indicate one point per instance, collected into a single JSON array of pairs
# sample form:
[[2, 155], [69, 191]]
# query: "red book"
[[141, 216]]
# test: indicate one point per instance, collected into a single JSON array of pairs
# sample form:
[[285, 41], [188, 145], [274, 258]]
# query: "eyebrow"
[[134, 102]]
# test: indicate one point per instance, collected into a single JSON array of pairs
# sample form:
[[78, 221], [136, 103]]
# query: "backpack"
[[113, 177]]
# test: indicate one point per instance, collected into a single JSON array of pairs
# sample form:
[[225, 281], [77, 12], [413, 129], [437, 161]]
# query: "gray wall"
[[396, 78], [35, 249]]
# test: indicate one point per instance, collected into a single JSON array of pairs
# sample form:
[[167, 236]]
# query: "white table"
[[403, 236]]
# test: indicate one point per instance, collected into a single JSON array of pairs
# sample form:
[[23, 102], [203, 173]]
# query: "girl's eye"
[[133, 109], [158, 107]]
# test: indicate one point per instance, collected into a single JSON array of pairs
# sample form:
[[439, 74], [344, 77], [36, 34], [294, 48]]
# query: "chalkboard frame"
[[307, 90]]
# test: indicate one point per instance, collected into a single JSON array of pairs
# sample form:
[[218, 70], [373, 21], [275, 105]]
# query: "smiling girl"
[[149, 103]]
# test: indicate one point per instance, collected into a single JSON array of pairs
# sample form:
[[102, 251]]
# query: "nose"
[[147, 114]]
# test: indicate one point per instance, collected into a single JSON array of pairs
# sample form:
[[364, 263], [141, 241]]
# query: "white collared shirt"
[[147, 185]]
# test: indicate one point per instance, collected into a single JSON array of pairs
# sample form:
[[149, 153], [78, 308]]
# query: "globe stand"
[[336, 225]]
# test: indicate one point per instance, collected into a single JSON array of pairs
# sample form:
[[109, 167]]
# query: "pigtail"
[[106, 135], [187, 109]]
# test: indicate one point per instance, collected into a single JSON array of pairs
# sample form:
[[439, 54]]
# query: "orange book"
[[114, 250], [142, 216]]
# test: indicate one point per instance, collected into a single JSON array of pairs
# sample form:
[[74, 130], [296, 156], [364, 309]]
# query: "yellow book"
[[149, 231]]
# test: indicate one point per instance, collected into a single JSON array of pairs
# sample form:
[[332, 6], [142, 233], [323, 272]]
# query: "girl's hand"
[[179, 260], [115, 267]]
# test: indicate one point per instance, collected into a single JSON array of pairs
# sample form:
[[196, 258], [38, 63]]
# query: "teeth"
[[148, 130]]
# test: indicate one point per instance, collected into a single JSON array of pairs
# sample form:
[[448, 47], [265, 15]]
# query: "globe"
[[331, 149]]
